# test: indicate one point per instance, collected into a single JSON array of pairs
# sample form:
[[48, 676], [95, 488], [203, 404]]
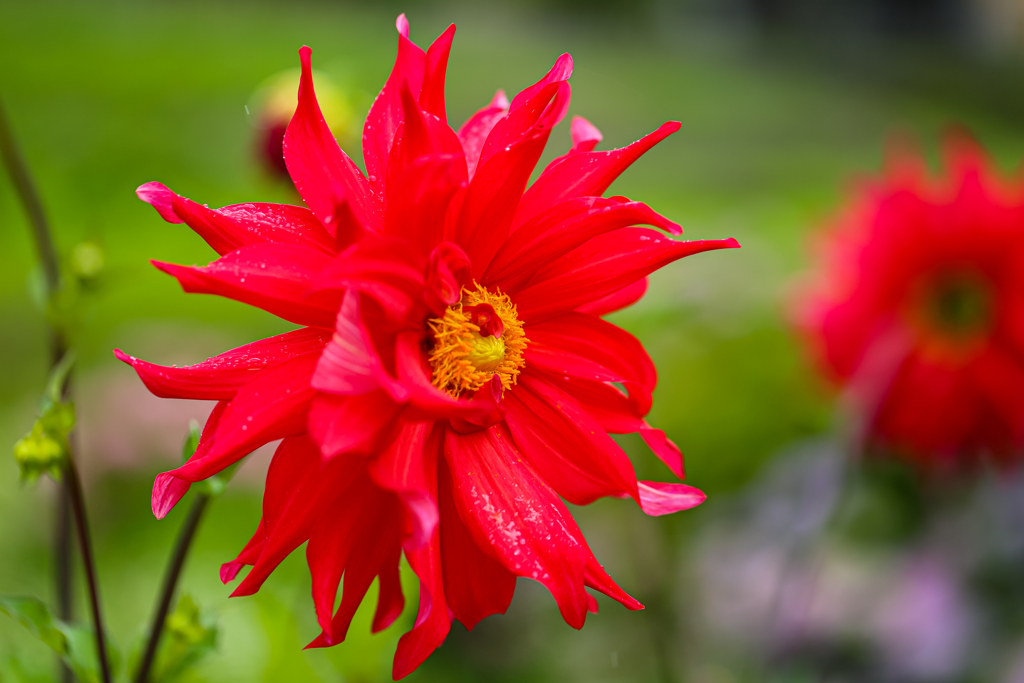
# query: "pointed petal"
[[473, 133], [598, 579], [385, 115], [604, 265], [476, 585], [221, 377], [508, 507], [585, 135], [235, 226], [508, 158], [585, 174], [323, 174], [426, 168], [432, 96], [250, 553], [561, 229], [274, 277], [300, 485], [565, 445]]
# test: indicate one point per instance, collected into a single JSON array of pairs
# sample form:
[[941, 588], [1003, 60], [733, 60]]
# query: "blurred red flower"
[[451, 382], [918, 307]]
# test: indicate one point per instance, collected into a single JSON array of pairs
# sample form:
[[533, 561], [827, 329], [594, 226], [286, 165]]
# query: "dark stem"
[[62, 562], [173, 571], [26, 190], [74, 488]]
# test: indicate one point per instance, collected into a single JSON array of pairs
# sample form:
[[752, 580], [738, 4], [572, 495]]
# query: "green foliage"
[[215, 485], [75, 645], [44, 449], [189, 635]]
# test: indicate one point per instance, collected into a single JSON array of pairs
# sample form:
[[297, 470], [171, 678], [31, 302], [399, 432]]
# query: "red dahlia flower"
[[919, 307], [452, 381]]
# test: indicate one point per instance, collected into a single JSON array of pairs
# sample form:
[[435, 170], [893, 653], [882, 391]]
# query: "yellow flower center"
[[477, 338]]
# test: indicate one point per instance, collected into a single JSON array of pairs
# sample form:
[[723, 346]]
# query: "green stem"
[[74, 487], [171, 575], [25, 188]]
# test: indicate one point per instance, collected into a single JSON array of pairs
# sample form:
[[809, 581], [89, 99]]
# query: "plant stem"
[[171, 575], [74, 486], [26, 190], [62, 562]]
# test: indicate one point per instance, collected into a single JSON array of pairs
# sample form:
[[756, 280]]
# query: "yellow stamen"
[[465, 360]]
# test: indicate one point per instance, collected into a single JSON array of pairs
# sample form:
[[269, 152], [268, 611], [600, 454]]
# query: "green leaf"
[[215, 485], [189, 635], [76, 645], [57, 379], [191, 443]]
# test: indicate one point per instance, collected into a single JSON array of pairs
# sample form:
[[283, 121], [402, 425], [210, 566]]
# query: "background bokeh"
[[782, 103]]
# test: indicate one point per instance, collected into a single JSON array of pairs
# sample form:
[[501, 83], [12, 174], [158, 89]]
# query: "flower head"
[[451, 382], [917, 307]]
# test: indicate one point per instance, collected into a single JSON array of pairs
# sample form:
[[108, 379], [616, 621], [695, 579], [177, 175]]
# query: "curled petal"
[[222, 376], [659, 498], [447, 273], [160, 198]]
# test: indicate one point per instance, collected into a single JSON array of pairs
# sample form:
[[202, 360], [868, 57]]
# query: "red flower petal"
[[604, 265], [220, 377], [432, 96], [508, 158], [385, 115], [561, 229], [659, 498], [323, 174], [349, 365], [351, 424], [361, 540], [585, 174], [299, 486], [432, 620], [401, 468], [508, 507], [564, 444], [473, 133], [475, 584], [272, 406], [160, 198], [274, 277], [585, 346]]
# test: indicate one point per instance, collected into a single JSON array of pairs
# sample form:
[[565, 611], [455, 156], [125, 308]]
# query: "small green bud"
[[39, 453], [44, 449]]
